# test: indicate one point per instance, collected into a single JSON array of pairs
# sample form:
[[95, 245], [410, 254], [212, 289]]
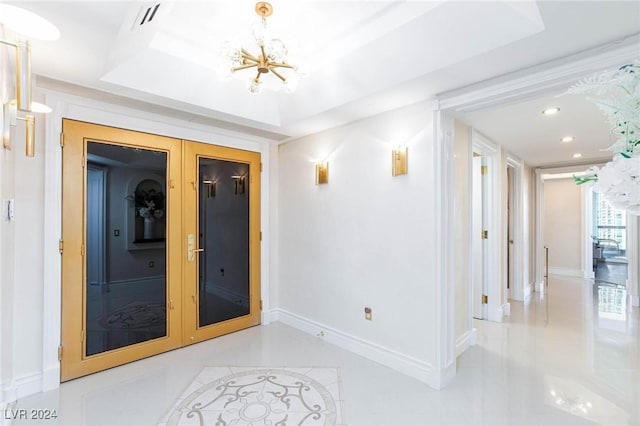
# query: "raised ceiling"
[[363, 57]]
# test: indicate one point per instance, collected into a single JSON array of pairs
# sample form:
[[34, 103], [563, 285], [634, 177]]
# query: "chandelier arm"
[[257, 77], [247, 55], [244, 67], [280, 65], [277, 74]]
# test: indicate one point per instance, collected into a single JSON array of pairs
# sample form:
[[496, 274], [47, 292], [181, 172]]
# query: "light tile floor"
[[569, 357]]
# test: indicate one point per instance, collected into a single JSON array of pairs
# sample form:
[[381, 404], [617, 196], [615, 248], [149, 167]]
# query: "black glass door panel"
[[126, 213], [223, 228]]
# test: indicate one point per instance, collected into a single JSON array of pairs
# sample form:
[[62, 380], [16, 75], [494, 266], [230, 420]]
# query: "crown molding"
[[541, 79]]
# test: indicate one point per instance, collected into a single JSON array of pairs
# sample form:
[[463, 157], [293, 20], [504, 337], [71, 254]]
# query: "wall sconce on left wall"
[[322, 173], [24, 24]]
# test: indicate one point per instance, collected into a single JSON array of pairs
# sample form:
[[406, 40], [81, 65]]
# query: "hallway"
[[570, 357]]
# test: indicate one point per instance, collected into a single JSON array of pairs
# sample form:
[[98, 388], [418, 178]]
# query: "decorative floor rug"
[[136, 316], [260, 396]]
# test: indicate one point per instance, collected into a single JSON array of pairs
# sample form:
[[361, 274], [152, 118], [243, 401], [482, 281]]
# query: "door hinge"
[[261, 305], [61, 246], [61, 140], [485, 299], [484, 170], [84, 161], [170, 305], [260, 167], [82, 250], [60, 353], [82, 336], [260, 235], [485, 234]]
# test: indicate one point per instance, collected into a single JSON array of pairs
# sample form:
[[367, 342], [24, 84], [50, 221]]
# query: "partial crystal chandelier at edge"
[[272, 57]]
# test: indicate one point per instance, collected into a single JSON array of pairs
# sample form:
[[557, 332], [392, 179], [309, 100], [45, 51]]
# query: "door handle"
[[191, 248]]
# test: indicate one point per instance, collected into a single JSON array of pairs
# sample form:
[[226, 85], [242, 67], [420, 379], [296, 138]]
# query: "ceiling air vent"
[[148, 14]]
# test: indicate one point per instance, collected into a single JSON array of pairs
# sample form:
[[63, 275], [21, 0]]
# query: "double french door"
[[160, 245]]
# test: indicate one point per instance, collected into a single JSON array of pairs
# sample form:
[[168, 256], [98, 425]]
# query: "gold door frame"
[[181, 275], [193, 151]]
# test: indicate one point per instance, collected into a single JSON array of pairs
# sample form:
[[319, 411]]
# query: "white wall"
[[363, 239], [22, 270], [562, 226], [7, 257]]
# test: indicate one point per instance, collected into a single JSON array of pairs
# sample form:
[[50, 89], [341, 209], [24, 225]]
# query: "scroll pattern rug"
[[260, 396]]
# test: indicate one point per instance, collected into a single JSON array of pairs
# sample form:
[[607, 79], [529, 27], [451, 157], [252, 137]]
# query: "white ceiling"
[[523, 130], [364, 57]]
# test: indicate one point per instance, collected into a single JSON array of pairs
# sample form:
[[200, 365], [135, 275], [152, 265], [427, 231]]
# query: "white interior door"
[[510, 234], [477, 207]]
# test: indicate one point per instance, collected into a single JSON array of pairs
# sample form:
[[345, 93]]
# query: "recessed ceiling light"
[[577, 155], [551, 111], [568, 139]]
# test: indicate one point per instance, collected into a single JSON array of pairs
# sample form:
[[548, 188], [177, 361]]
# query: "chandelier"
[[272, 57]]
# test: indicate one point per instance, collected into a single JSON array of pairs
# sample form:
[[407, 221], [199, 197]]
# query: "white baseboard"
[[28, 385], [266, 318], [495, 314], [20, 388], [528, 289], [466, 340], [566, 272], [405, 364], [51, 378], [506, 309], [7, 396]]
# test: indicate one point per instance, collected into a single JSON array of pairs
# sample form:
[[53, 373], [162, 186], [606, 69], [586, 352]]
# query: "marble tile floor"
[[568, 357]]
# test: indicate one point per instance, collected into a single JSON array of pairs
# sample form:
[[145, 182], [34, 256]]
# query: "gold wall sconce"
[[211, 188], [239, 184], [29, 24], [322, 173], [399, 161]]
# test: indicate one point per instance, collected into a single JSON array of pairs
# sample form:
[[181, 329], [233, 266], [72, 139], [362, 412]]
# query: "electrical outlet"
[[321, 334], [116, 232], [368, 312], [152, 264], [11, 214]]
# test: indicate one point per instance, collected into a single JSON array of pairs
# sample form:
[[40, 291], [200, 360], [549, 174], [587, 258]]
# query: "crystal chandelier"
[[271, 59]]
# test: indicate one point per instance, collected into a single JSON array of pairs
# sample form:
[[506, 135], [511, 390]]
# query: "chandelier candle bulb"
[[23, 75]]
